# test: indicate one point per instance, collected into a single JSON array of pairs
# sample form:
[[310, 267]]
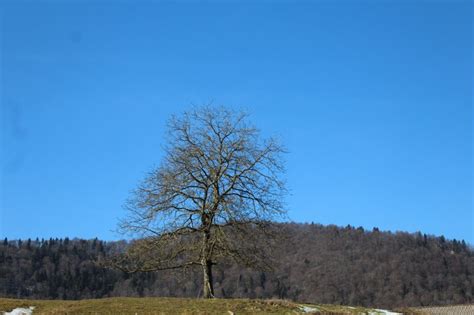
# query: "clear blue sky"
[[373, 100]]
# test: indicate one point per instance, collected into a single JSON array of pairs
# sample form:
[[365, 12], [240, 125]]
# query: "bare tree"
[[214, 194]]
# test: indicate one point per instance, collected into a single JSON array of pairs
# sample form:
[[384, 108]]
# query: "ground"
[[176, 306], [467, 309]]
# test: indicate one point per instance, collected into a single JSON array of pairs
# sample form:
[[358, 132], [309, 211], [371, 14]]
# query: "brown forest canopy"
[[319, 264]]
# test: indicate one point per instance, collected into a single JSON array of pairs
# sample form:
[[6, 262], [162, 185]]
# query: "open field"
[[175, 306], [453, 309]]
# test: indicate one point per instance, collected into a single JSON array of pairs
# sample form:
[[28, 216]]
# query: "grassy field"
[[173, 306]]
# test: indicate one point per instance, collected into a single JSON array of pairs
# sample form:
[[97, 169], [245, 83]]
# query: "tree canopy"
[[215, 191]]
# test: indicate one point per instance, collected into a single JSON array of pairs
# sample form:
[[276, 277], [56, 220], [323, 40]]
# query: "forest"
[[313, 263]]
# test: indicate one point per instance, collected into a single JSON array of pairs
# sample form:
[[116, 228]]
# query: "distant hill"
[[314, 264]]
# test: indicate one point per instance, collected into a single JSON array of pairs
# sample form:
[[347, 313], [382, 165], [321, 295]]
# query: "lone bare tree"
[[212, 197]]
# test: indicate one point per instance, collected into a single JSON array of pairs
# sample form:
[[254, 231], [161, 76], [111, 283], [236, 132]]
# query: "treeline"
[[314, 263]]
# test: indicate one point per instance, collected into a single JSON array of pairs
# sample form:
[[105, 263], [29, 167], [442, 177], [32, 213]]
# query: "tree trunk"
[[208, 286], [206, 263]]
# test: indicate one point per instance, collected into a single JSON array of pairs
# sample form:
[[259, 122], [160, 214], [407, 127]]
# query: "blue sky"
[[372, 99]]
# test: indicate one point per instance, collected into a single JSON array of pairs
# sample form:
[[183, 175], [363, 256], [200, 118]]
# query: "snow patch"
[[20, 311], [383, 312], [307, 309]]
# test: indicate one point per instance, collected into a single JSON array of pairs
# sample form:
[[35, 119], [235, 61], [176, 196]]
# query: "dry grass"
[[147, 306], [152, 306], [159, 306]]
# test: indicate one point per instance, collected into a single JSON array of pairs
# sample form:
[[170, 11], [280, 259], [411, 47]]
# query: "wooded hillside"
[[315, 264]]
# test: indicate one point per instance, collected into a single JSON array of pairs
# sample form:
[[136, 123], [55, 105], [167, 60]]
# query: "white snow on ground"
[[383, 312], [20, 311], [307, 309]]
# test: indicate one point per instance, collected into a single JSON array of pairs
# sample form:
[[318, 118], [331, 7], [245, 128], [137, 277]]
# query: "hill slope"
[[177, 306], [314, 264]]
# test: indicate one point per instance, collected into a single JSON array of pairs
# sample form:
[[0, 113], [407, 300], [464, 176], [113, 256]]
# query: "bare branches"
[[166, 252], [218, 182]]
